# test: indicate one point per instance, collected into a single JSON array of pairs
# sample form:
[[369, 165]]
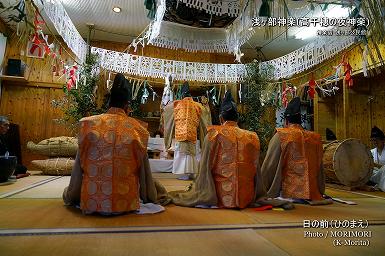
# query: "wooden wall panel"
[[377, 101], [366, 108], [326, 116], [365, 104], [31, 109], [39, 71], [3, 27], [339, 118], [359, 117], [29, 104], [363, 112]]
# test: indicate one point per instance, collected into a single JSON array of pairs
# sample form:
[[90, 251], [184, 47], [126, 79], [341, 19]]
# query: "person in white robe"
[[378, 138], [182, 120]]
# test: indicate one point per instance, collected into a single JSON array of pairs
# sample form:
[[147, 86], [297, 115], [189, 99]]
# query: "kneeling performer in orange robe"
[[112, 172], [292, 168], [229, 174]]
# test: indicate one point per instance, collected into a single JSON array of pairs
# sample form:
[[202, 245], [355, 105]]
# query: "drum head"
[[353, 162]]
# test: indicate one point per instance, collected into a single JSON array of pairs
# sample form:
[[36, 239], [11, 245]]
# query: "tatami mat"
[[294, 243], [343, 194], [54, 189], [367, 208], [38, 204], [174, 182], [283, 241], [158, 175], [176, 188], [22, 183], [378, 194], [340, 188], [233, 242], [51, 213]]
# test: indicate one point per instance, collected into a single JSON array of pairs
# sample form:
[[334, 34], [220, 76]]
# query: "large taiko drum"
[[348, 162]]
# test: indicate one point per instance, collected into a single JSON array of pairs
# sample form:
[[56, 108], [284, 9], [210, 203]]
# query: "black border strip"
[[133, 230]]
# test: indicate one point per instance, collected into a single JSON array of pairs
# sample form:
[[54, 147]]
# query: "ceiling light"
[[117, 9]]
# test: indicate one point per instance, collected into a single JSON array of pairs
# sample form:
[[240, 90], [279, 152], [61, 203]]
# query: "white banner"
[[284, 67], [64, 26], [160, 68], [308, 56], [230, 8]]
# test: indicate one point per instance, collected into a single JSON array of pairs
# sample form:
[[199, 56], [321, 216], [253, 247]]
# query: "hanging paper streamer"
[[230, 8], [240, 93], [338, 72], [64, 26], [284, 96], [213, 92], [145, 94], [138, 86], [133, 88], [326, 92], [36, 45], [168, 95], [109, 81], [311, 90], [325, 47], [35, 48], [158, 68], [72, 78], [348, 74], [286, 91]]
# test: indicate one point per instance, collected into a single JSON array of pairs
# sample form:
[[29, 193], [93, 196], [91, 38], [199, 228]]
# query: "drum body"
[[348, 162]]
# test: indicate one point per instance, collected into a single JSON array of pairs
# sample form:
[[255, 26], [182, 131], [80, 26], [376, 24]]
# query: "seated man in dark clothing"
[[20, 171], [330, 136]]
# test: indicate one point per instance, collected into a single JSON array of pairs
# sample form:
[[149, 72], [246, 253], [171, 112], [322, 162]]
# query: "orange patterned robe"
[[235, 164], [302, 158], [111, 146], [186, 115], [229, 174]]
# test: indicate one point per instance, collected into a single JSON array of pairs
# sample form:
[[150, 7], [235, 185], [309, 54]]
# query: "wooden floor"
[[34, 221]]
